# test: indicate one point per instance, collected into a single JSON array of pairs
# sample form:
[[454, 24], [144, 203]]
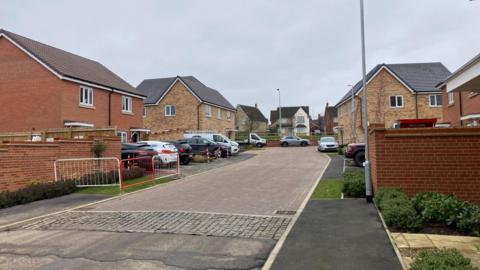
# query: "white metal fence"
[[89, 171]]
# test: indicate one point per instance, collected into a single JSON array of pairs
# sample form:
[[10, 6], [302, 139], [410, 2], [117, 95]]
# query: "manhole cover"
[[285, 212]]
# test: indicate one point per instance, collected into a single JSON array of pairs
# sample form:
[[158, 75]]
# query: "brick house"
[[178, 104], [395, 91], [329, 119], [45, 87], [295, 120], [251, 119], [461, 95]]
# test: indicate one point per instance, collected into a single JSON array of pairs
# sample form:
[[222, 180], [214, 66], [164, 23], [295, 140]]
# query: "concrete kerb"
[[276, 249], [392, 241], [16, 224]]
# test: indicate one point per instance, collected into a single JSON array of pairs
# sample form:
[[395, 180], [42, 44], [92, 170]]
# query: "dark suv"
[[356, 151], [200, 145], [184, 150]]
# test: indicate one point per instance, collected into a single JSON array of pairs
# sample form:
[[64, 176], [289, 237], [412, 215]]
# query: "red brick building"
[[45, 87], [329, 119], [461, 95]]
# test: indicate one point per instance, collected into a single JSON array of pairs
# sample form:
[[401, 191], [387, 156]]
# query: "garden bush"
[[398, 210], [354, 184], [446, 259], [133, 173], [35, 192], [469, 219], [438, 208], [388, 193]]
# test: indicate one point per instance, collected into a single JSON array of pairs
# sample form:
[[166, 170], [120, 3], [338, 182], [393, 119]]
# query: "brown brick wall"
[[34, 98], [380, 88], [22, 163], [444, 160], [470, 104]]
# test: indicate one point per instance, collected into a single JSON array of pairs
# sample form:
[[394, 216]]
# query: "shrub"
[[133, 173], [469, 219], [400, 214], [98, 148], [354, 184], [438, 208], [35, 192], [388, 193], [447, 259]]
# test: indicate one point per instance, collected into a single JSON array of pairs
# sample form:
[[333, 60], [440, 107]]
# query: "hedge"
[[446, 259], [354, 183], [397, 209], [35, 192]]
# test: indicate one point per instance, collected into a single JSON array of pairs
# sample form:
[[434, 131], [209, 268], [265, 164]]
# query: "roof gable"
[[69, 66], [417, 77], [287, 112], [253, 113], [156, 89]]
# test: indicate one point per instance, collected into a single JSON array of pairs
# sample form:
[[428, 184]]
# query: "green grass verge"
[[115, 190], [328, 189]]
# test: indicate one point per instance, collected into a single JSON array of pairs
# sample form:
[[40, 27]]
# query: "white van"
[[216, 137]]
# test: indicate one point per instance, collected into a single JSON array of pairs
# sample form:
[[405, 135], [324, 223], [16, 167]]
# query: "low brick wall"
[[444, 160], [22, 163]]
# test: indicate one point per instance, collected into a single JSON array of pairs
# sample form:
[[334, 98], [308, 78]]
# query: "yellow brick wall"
[[380, 89], [213, 123], [242, 125]]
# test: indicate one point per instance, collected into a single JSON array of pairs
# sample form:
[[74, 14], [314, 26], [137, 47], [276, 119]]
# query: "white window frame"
[[396, 101], [86, 96], [302, 117], [127, 104], [219, 113], [451, 98], [229, 115], [436, 98], [123, 136], [168, 110], [208, 110]]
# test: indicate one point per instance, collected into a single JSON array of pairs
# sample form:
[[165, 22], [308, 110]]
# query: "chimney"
[[256, 105]]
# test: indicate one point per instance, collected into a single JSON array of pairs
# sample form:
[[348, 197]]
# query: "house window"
[[126, 104], [229, 115], [219, 113], [301, 130], [123, 136], [144, 111], [86, 96], [300, 119], [450, 98], [208, 110], [396, 101], [435, 100], [170, 110]]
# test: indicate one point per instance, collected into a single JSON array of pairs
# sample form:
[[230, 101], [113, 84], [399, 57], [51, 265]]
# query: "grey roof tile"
[[253, 113], [71, 65], [287, 112]]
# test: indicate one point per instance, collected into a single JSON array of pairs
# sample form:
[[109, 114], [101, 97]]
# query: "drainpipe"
[[198, 116], [460, 104]]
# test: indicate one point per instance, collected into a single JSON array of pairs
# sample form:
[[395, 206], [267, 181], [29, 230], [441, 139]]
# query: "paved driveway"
[[225, 218]]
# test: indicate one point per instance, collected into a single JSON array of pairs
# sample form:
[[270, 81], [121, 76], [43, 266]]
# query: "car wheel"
[[303, 144], [259, 145], [284, 144], [359, 158]]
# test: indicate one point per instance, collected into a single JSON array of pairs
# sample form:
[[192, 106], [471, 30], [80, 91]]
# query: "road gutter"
[[278, 246]]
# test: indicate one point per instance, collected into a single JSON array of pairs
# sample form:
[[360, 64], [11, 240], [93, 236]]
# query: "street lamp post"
[[368, 183], [279, 113]]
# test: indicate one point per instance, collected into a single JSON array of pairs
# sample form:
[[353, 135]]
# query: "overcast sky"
[[310, 49]]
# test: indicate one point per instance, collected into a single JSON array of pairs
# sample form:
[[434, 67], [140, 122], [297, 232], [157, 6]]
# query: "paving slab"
[[337, 234]]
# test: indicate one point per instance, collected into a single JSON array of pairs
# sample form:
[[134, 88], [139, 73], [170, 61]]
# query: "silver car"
[[327, 144], [294, 140]]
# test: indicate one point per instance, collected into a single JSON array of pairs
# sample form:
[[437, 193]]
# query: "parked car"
[[166, 151], [216, 137], [293, 140], [356, 151], [327, 144], [200, 145], [255, 139], [184, 150], [134, 150]]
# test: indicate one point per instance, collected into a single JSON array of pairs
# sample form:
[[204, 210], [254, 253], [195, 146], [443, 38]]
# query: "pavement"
[[224, 218], [337, 234]]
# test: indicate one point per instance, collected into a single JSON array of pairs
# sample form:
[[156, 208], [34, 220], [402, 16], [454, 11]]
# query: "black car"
[[184, 150], [201, 145], [134, 150]]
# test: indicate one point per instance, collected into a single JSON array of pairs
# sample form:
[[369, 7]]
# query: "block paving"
[[175, 222]]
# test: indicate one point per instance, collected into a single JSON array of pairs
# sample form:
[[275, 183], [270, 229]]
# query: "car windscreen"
[[327, 139]]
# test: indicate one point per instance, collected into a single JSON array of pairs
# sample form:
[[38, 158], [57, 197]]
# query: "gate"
[[87, 172]]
